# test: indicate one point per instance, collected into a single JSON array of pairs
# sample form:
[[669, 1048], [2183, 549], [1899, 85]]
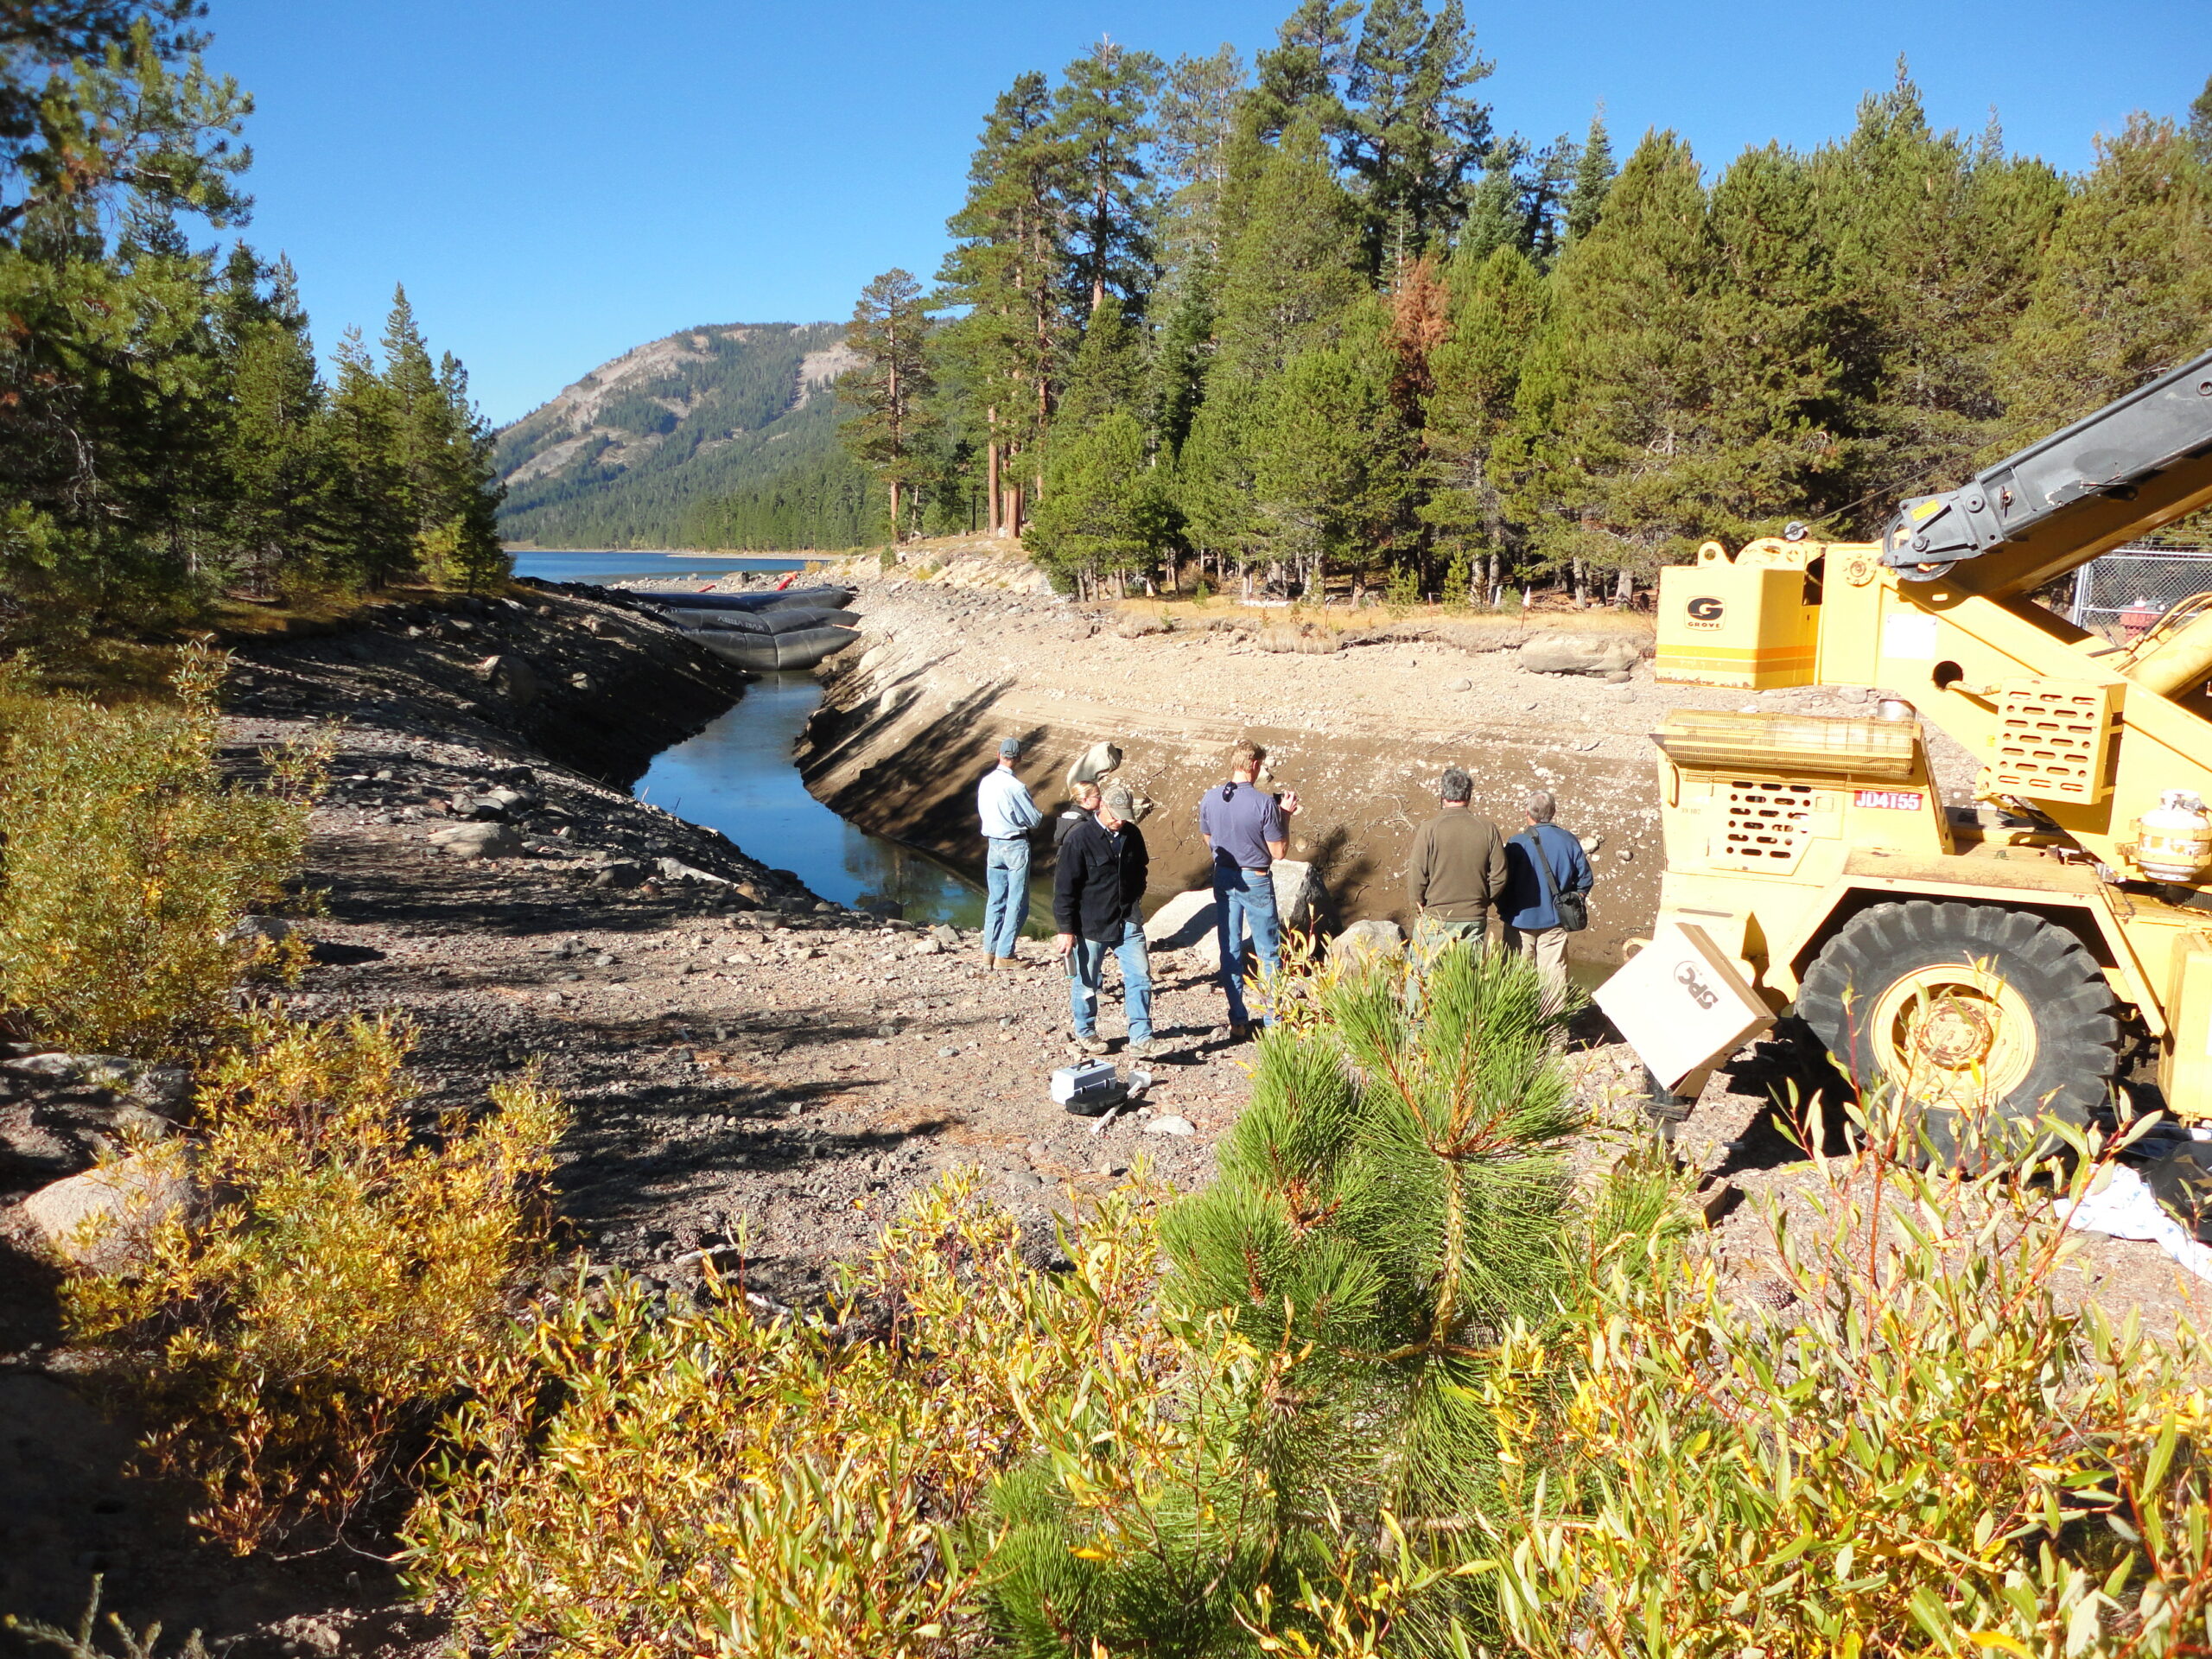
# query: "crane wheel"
[[1967, 1010]]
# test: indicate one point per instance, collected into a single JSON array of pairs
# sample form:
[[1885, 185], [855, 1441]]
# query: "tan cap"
[[1117, 800]]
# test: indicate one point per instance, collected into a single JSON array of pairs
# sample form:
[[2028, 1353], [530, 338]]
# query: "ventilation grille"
[[2050, 740], [1765, 826]]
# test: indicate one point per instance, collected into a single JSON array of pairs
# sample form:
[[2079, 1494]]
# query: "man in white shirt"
[[1008, 814]]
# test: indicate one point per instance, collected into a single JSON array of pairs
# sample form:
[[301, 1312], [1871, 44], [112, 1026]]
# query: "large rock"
[[67, 1133], [1599, 654], [1187, 922], [511, 678], [104, 1218], [1363, 943], [479, 840]]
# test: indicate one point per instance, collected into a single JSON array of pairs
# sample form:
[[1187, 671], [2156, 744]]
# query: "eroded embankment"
[[911, 720]]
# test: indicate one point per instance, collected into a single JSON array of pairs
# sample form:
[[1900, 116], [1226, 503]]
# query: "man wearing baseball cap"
[[1008, 814], [1096, 891]]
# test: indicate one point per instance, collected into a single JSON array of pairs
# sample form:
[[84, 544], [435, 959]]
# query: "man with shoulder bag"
[[1547, 883]]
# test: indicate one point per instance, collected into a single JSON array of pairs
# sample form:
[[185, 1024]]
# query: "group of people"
[[1460, 870]]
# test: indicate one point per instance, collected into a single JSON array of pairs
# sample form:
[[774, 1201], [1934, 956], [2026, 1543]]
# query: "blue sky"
[[557, 181]]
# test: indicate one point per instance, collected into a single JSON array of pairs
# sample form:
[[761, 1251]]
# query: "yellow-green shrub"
[[716, 1482], [128, 859], [293, 1342], [1925, 1451]]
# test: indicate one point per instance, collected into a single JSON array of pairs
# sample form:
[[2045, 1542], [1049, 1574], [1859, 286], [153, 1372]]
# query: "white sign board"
[[1681, 1004]]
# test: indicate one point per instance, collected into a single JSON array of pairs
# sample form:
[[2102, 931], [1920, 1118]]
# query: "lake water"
[[738, 777], [568, 564]]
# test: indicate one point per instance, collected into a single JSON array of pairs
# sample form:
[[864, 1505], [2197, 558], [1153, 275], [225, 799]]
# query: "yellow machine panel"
[[2186, 1077], [1737, 623], [2054, 741]]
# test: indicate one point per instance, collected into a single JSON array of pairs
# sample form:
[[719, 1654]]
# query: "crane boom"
[[2142, 460]]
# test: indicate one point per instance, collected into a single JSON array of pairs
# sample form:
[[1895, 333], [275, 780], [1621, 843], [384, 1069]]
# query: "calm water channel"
[[737, 777], [568, 564]]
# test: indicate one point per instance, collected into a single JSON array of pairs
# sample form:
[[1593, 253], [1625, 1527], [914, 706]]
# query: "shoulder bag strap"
[[1544, 869]]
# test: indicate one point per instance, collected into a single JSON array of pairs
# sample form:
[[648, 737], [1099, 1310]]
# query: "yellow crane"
[[1999, 957]]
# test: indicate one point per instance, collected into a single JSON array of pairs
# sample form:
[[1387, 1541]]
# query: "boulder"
[[675, 869], [103, 1071], [1298, 889], [1598, 654], [63, 1134], [1094, 763], [1373, 940], [1169, 1125], [511, 678], [620, 873], [479, 840], [255, 930], [102, 1218], [946, 936]]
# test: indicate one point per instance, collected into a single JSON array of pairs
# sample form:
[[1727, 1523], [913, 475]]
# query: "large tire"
[[1967, 1010]]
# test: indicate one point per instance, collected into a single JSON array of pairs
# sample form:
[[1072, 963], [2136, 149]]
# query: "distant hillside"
[[723, 436]]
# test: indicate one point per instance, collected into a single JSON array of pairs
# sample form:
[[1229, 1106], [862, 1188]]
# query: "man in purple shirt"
[[1245, 828]]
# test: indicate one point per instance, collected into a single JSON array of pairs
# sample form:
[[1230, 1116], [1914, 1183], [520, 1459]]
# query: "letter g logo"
[[1704, 609]]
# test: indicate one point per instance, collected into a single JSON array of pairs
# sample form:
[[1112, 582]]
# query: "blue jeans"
[[1243, 898], [1088, 960], [1006, 888]]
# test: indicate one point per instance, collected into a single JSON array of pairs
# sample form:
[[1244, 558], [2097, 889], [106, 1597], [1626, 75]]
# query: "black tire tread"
[[2078, 1027]]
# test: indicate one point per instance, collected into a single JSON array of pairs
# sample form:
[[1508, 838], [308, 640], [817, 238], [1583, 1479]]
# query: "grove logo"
[[1704, 612]]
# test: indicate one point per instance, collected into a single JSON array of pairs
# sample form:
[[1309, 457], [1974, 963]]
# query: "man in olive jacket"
[[1457, 869], [1096, 890]]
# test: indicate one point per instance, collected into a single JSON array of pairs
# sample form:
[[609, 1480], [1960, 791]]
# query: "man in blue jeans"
[[1008, 814], [1244, 827], [1096, 890]]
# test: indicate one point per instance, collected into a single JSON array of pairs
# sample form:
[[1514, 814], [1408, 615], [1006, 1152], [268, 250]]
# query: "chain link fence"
[[2122, 593]]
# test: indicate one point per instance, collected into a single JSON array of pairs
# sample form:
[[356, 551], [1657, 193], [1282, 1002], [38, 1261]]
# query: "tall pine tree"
[[889, 391]]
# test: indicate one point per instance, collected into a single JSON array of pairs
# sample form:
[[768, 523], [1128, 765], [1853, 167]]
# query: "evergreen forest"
[[168, 434], [1321, 320]]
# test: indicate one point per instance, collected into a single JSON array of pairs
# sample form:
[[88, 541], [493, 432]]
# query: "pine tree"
[[278, 461], [1496, 306], [371, 517], [1607, 435], [1005, 269], [1412, 130], [1593, 176], [1300, 75], [891, 388], [1935, 244], [1194, 123], [2200, 125], [1104, 509], [1099, 119], [2126, 290], [1389, 1209], [1331, 456], [1293, 268]]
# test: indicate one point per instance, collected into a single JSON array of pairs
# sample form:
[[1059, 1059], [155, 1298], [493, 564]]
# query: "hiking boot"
[[1087, 1044], [1239, 1030], [1143, 1048]]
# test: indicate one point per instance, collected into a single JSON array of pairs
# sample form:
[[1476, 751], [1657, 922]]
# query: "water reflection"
[[737, 777]]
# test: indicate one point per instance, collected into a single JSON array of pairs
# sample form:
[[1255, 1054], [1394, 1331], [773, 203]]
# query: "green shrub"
[[291, 1347], [129, 860]]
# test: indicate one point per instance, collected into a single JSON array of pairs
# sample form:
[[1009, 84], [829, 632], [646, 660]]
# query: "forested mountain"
[[679, 441], [1322, 317]]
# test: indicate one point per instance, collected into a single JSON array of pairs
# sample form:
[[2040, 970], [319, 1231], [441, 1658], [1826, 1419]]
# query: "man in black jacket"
[[1101, 877]]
